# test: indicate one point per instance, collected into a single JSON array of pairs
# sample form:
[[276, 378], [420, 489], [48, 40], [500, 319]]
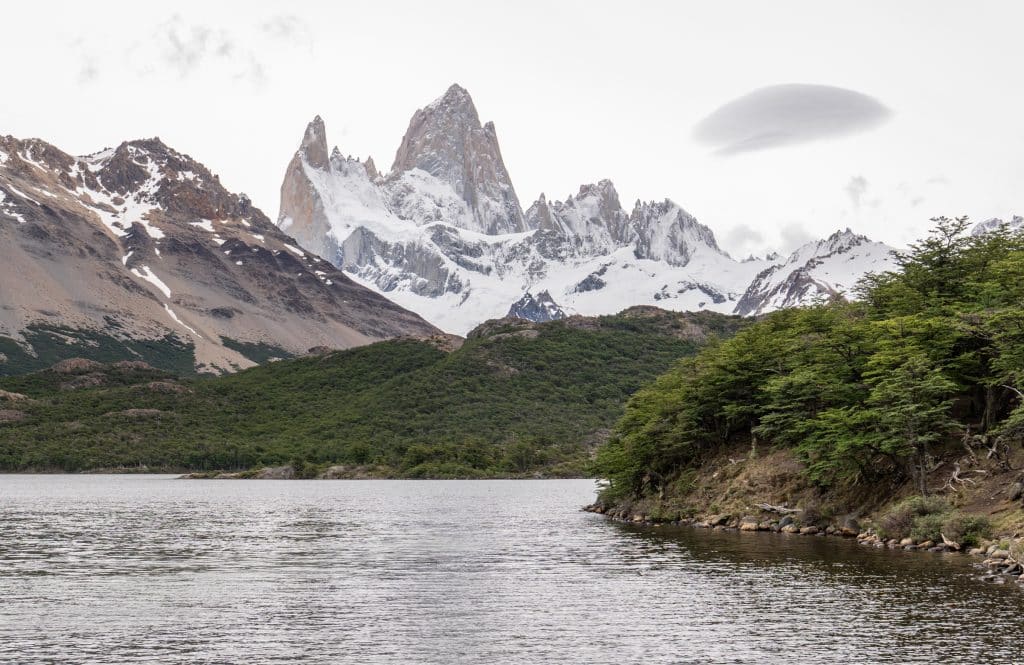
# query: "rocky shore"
[[999, 560], [290, 472]]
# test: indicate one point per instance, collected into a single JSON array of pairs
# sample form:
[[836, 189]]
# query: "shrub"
[[967, 530], [928, 527], [902, 518]]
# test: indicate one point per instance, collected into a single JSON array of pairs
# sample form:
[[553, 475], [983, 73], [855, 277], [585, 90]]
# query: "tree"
[[910, 402]]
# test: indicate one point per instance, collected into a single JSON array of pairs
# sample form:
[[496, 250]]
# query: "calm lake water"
[[125, 569]]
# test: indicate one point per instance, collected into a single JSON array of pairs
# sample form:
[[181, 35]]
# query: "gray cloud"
[[789, 114], [89, 71], [795, 234], [856, 189], [288, 28], [743, 239], [186, 47]]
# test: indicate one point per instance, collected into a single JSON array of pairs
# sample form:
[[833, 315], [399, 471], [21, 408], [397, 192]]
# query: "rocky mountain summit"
[[139, 252], [443, 234], [815, 270], [1016, 223], [539, 308], [446, 140]]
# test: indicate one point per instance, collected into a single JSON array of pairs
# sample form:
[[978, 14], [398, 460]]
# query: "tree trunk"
[[988, 417]]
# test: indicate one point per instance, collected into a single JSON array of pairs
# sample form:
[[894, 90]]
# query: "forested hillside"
[[913, 389], [516, 398]]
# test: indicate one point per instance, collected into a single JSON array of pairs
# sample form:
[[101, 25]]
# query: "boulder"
[[129, 365], [275, 473], [809, 531], [168, 387], [90, 380], [12, 416], [791, 528], [76, 366]]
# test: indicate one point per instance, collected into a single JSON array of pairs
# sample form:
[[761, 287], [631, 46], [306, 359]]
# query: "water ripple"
[[137, 569]]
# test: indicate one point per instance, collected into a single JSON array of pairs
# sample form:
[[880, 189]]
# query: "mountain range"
[[443, 234], [138, 252]]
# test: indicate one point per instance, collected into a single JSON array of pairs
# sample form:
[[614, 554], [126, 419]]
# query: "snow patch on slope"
[[145, 273]]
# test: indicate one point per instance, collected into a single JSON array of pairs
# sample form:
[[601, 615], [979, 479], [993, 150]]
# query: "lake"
[[127, 569]]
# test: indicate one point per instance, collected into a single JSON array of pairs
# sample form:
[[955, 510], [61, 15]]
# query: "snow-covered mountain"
[[1016, 223], [443, 234], [815, 270], [138, 252], [539, 308]]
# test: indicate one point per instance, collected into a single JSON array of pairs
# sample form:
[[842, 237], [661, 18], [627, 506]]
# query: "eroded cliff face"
[[443, 234], [141, 242], [446, 140]]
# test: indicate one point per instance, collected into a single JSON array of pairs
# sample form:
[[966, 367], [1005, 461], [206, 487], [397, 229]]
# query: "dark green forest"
[[928, 362], [517, 398]]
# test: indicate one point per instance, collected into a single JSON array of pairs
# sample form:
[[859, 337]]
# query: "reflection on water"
[[118, 569]]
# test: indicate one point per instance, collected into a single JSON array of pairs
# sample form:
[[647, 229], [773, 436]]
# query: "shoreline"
[[184, 474], [994, 556]]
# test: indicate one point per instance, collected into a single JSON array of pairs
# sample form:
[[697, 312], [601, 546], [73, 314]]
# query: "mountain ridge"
[[141, 244], [416, 234]]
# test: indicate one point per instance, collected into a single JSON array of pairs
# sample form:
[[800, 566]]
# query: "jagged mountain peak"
[[540, 308], [824, 268], [446, 140], [603, 188], [841, 240], [455, 100], [443, 234], [371, 169], [314, 143], [669, 233]]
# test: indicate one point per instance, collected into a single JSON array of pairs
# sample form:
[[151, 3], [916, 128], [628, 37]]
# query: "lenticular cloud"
[[782, 115]]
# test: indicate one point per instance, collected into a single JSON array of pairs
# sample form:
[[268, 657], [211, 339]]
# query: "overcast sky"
[[770, 121]]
